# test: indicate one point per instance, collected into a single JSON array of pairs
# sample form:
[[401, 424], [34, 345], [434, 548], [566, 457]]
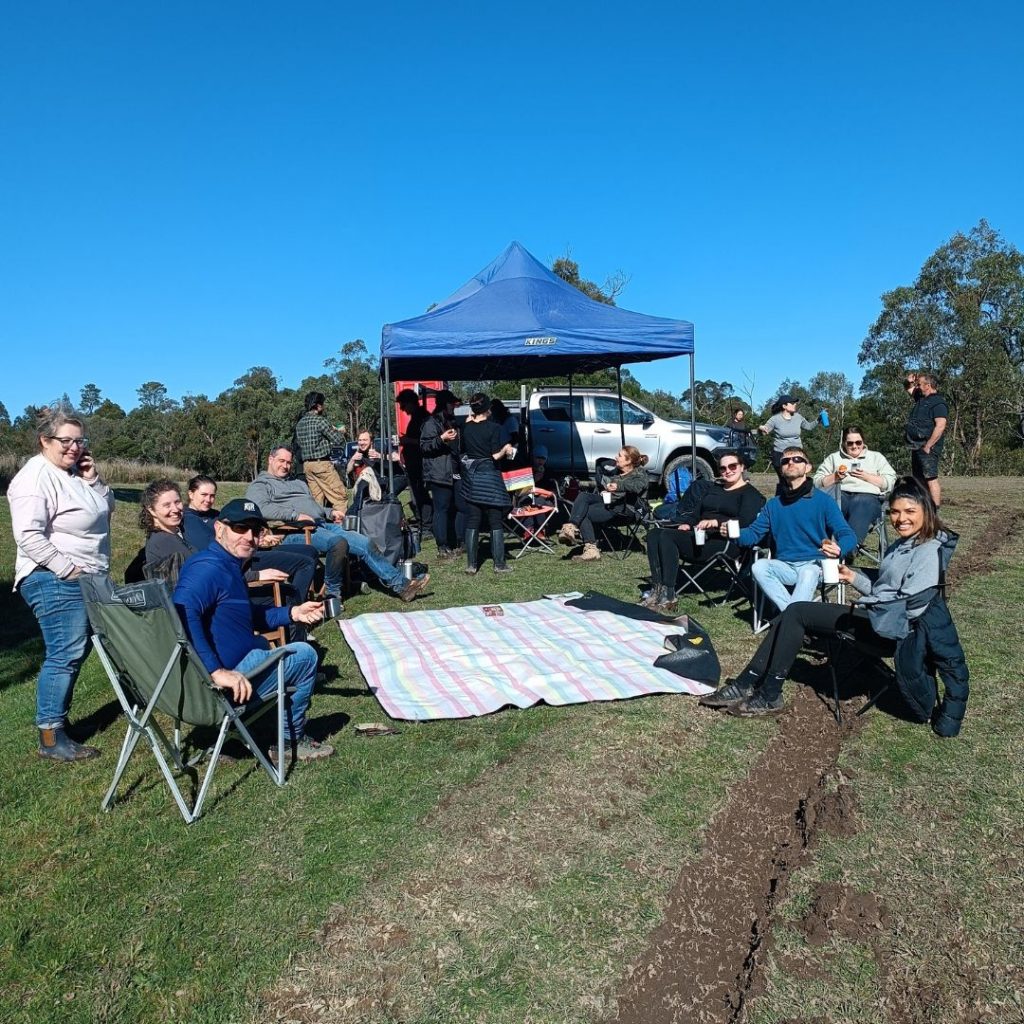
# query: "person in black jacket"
[[706, 505], [439, 446], [483, 449]]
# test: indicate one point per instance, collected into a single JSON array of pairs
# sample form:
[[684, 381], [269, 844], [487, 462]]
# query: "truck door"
[[606, 439], [551, 426]]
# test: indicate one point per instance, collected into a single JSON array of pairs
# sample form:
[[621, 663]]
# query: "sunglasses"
[[241, 528], [728, 467], [798, 460], [854, 444]]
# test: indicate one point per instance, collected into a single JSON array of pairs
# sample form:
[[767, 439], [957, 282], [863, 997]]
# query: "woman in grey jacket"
[[602, 505], [910, 567]]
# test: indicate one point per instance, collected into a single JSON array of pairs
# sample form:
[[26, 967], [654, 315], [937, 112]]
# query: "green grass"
[[496, 869]]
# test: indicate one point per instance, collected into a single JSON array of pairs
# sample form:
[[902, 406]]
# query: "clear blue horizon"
[[190, 190]]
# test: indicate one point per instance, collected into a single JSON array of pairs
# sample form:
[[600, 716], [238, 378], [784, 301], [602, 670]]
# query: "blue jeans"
[[326, 535], [861, 511], [299, 672], [60, 610], [773, 576]]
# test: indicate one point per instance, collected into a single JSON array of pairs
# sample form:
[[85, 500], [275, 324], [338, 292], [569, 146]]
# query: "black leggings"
[[667, 547], [587, 509], [475, 514], [774, 658]]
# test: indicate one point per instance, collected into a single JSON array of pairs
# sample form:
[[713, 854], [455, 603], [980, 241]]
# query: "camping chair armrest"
[[272, 658]]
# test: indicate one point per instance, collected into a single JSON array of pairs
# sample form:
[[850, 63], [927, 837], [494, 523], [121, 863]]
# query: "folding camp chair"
[[628, 526], [528, 521], [152, 667]]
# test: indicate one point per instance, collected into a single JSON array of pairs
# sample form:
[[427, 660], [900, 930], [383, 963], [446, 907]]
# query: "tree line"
[[962, 318]]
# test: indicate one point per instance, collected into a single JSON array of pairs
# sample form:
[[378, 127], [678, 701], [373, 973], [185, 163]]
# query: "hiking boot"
[[503, 569], [305, 750], [472, 570], [653, 597], [413, 587], [444, 554], [728, 695], [57, 745], [569, 535], [590, 554], [759, 706], [667, 606]]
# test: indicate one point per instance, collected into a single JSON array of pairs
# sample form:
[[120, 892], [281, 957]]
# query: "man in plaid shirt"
[[315, 437]]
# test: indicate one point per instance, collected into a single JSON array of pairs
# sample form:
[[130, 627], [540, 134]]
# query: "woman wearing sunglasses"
[[706, 505], [60, 515], [858, 478]]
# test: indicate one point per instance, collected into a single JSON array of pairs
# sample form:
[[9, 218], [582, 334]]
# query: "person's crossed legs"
[[775, 576]]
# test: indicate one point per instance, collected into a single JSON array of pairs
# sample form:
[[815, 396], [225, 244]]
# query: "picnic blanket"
[[468, 661]]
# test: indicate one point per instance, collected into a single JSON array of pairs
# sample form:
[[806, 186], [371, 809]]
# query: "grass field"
[[510, 868]]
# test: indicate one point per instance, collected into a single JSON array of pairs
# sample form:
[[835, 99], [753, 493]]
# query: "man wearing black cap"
[[213, 601]]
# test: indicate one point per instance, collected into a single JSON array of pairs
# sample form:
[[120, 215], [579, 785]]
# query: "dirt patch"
[[700, 963], [979, 558], [839, 910]]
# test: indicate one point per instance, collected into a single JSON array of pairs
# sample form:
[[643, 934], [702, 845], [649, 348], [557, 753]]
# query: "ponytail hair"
[[635, 456]]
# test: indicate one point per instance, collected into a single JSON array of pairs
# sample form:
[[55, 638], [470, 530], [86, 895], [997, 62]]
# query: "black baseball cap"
[[240, 510]]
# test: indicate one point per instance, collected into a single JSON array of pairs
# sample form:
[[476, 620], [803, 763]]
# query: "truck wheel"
[[704, 470]]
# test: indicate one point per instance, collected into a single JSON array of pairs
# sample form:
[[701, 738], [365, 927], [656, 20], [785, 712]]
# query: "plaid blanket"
[[468, 661]]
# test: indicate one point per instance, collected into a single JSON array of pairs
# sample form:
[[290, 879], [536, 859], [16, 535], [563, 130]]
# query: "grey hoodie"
[[284, 499]]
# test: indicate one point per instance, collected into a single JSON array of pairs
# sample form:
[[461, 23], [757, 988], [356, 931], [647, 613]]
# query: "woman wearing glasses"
[[858, 478], [706, 505], [60, 515]]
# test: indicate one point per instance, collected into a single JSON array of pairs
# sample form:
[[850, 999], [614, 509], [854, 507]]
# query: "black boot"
[[472, 543], [498, 551], [57, 745]]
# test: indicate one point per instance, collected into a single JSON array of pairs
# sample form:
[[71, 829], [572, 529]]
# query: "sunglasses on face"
[[854, 444], [798, 460], [241, 528], [728, 467]]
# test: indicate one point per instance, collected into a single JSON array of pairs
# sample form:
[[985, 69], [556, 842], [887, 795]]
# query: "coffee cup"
[[513, 452], [332, 607], [732, 527], [830, 570], [408, 568], [606, 497], [699, 536]]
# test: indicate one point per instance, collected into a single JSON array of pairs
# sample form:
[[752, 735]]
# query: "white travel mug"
[[606, 497], [732, 527], [699, 536], [830, 570]]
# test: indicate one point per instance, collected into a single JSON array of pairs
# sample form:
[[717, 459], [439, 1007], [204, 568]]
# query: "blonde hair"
[[49, 421]]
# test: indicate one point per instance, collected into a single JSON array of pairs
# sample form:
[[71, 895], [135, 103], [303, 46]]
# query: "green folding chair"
[[152, 667]]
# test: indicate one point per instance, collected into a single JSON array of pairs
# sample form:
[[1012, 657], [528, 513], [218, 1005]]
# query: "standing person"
[[859, 480], [507, 423], [926, 428], [315, 437], [805, 525], [739, 429], [439, 445], [910, 566], [785, 427], [483, 449], [408, 402], [591, 508], [60, 516], [706, 505], [213, 605]]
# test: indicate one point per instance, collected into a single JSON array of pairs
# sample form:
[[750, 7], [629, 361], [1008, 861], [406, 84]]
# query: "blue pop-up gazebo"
[[517, 319]]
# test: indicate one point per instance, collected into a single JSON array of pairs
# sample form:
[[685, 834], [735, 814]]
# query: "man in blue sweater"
[[213, 602], [806, 526]]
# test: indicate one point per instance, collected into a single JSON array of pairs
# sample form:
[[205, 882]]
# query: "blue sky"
[[191, 189]]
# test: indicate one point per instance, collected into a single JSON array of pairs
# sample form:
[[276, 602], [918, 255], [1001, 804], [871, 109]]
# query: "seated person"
[[367, 457], [541, 477], [213, 604], [291, 502], [910, 566], [706, 505], [269, 562], [160, 515], [590, 507], [805, 525], [858, 478]]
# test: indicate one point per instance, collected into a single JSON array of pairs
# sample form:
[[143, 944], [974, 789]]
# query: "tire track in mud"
[[703, 963]]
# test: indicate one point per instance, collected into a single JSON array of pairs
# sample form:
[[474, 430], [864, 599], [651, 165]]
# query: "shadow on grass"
[[868, 679], [17, 623]]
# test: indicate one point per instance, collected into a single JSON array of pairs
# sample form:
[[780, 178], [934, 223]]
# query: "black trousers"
[[475, 515], [774, 659], [667, 547], [587, 509]]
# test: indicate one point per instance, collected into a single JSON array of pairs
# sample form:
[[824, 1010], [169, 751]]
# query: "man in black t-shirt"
[[926, 426]]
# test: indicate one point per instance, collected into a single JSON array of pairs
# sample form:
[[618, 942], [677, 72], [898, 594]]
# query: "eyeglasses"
[[728, 467], [71, 442], [798, 460], [241, 528], [854, 444]]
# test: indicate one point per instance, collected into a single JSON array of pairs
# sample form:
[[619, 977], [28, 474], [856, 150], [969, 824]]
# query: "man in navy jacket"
[[806, 526], [213, 602]]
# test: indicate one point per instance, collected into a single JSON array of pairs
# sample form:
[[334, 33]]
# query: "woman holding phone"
[[60, 516]]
